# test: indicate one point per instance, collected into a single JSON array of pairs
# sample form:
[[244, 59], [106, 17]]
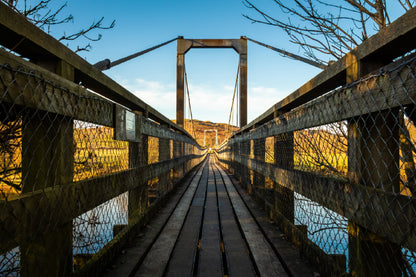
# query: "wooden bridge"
[[96, 182]]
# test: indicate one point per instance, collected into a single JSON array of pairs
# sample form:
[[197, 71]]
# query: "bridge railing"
[[83, 162], [334, 162]]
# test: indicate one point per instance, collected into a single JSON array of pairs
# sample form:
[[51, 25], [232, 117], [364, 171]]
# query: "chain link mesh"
[[356, 143], [61, 160]]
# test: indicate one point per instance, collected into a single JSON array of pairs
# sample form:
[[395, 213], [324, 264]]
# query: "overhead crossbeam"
[[184, 45]]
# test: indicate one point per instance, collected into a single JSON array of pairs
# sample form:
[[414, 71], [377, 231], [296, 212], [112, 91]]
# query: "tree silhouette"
[[46, 14], [327, 30]]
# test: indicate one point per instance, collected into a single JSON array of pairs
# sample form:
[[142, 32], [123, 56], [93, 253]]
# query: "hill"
[[224, 130]]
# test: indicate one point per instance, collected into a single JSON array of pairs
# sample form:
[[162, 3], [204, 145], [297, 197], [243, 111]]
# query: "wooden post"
[[259, 153], [138, 197], [177, 152], [373, 160], [164, 154], [243, 83], [245, 176], [284, 158], [180, 100], [48, 161]]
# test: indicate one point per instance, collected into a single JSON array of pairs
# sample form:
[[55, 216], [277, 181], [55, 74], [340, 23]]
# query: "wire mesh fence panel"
[[342, 169], [66, 184], [325, 228], [96, 152], [322, 149], [94, 229], [10, 263]]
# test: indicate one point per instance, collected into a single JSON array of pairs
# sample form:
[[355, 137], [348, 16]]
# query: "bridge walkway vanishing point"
[[92, 178], [211, 227]]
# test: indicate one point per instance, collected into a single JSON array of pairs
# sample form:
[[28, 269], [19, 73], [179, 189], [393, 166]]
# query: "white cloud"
[[207, 102], [261, 99]]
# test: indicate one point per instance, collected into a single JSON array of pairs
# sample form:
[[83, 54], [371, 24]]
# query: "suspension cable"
[[234, 93], [291, 55], [189, 102], [107, 64]]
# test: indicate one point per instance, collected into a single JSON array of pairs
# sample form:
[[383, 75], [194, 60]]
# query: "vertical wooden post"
[[373, 160], [164, 154], [243, 82], [180, 98], [284, 158], [48, 161], [177, 152], [259, 149], [138, 156], [244, 155]]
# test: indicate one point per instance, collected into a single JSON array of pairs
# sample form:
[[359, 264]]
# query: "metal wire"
[[366, 157], [63, 163]]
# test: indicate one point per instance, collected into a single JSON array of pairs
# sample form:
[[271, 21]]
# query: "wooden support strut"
[[369, 164], [47, 161], [284, 158]]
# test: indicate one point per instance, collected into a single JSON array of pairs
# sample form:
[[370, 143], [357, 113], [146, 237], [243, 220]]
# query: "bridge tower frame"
[[216, 136], [184, 45]]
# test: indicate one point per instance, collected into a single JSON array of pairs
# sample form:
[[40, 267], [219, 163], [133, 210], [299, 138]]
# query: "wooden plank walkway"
[[210, 228]]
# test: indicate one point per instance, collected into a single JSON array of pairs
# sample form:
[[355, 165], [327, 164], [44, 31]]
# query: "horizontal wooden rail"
[[46, 91], [392, 42], [31, 42], [348, 200], [155, 130], [24, 216], [372, 94]]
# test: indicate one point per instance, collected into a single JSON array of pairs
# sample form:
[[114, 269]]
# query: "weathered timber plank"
[[289, 254], [391, 42], [149, 224], [210, 257], [239, 262], [29, 85], [72, 200], [183, 257], [374, 94], [31, 42], [155, 130], [157, 258], [299, 246], [267, 262], [397, 211]]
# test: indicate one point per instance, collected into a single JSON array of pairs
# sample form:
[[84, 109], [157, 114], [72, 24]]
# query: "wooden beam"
[[30, 85], [391, 42], [155, 130], [31, 42], [73, 199], [52, 93], [374, 94]]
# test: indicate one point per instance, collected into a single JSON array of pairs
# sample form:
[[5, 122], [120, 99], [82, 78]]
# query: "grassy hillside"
[[201, 126]]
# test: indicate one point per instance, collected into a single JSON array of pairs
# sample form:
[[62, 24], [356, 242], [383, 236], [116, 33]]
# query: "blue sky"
[[211, 72]]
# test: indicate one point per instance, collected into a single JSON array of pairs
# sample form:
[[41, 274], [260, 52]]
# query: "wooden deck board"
[[210, 255], [160, 252], [183, 257], [212, 232], [239, 262], [266, 260], [290, 254]]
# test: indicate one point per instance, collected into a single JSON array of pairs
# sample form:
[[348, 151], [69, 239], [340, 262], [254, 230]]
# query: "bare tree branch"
[[42, 15], [326, 30]]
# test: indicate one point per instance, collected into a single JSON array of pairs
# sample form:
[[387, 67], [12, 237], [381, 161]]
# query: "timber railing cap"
[[24, 38], [391, 42]]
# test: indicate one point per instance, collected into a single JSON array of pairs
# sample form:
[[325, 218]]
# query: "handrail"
[[29, 41], [391, 42]]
